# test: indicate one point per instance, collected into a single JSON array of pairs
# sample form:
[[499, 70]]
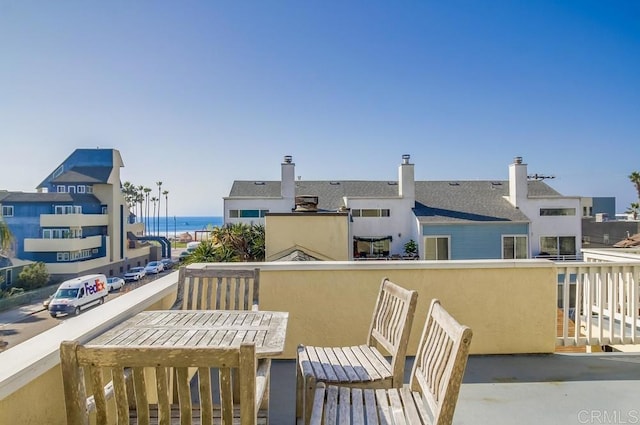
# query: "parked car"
[[135, 273], [184, 255], [46, 302], [114, 283], [167, 263], [154, 267]]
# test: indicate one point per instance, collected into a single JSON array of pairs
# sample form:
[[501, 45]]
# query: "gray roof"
[[436, 201], [84, 175], [6, 262], [297, 255], [83, 198], [465, 201], [329, 192]]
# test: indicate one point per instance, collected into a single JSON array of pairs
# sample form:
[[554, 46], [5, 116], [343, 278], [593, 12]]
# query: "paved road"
[[24, 322]]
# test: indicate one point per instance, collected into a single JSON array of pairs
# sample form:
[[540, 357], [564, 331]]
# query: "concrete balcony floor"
[[553, 389]]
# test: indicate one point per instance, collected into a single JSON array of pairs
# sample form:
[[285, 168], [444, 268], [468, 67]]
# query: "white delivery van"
[[77, 294]]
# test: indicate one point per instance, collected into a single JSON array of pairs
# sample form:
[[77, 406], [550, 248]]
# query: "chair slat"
[[162, 390], [97, 385]]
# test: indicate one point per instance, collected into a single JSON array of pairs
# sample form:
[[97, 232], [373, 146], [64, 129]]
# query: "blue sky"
[[197, 94]]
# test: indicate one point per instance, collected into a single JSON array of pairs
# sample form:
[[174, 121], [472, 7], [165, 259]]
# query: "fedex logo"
[[94, 288]]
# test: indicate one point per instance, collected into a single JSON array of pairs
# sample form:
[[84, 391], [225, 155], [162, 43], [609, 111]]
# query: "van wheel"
[[77, 311], [101, 300], [53, 315]]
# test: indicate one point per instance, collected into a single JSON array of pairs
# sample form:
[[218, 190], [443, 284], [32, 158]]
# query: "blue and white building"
[[481, 219], [78, 220]]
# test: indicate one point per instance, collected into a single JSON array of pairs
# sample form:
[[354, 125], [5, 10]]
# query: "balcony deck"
[[544, 389], [504, 383]]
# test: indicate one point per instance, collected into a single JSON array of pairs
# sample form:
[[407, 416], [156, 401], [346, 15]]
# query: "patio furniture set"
[[207, 360]]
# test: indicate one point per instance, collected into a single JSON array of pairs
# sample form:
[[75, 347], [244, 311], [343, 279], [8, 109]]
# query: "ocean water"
[[174, 226]]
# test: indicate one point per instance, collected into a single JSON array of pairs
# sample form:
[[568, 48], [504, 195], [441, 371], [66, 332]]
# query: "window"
[[89, 189], [61, 189], [82, 189], [58, 171], [557, 211], [436, 248], [7, 210], [247, 213], [68, 209], [514, 247], [558, 246], [371, 246], [62, 256], [61, 233], [71, 189], [368, 212]]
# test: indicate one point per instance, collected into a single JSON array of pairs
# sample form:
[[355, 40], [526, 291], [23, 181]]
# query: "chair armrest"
[[262, 380]]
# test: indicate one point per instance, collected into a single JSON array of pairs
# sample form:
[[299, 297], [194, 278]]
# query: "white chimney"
[[518, 190], [406, 179], [288, 183]]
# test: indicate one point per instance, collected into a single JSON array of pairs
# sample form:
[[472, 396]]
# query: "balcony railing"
[[602, 301], [56, 245], [73, 220]]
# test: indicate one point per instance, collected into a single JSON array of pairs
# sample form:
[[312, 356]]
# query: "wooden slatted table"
[[221, 328]]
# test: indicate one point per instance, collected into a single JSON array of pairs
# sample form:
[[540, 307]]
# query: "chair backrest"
[[217, 289], [440, 362], [391, 324], [142, 389]]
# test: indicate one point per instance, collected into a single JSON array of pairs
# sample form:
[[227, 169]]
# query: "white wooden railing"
[[602, 299]]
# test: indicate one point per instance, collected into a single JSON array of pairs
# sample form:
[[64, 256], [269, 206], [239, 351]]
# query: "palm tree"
[[140, 199], [635, 179], [166, 213], [154, 200], [146, 191], [6, 237], [634, 209], [246, 242], [159, 201], [127, 191]]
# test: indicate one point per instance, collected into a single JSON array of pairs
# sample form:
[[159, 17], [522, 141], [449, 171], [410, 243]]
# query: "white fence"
[[602, 299]]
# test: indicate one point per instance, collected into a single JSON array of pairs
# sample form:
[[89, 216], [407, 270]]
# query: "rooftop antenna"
[[540, 177]]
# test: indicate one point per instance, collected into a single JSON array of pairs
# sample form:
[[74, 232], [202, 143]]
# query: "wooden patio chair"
[[217, 289], [362, 366], [139, 392], [432, 392]]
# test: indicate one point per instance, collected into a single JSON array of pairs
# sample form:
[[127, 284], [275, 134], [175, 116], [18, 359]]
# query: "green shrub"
[[33, 276], [411, 248]]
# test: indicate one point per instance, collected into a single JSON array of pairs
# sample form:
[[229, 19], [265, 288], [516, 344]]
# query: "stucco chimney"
[[518, 190], [288, 183], [406, 179]]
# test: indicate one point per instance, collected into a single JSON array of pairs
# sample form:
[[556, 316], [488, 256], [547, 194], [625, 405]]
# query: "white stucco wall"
[[552, 225], [400, 224]]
